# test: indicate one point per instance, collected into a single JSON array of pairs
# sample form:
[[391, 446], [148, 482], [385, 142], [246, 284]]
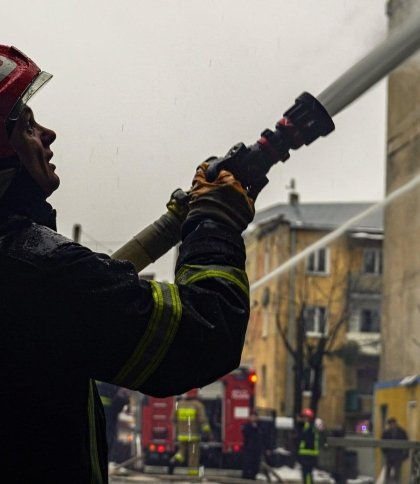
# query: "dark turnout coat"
[[395, 455], [70, 316], [253, 449]]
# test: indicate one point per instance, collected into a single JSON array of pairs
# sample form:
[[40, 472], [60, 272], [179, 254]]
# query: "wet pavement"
[[216, 477]]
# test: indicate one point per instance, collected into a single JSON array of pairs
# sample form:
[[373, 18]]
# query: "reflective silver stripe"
[[7, 66], [193, 273], [154, 344], [96, 474]]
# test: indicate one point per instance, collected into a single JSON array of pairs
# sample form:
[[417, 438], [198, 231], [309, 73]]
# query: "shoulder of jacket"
[[27, 241]]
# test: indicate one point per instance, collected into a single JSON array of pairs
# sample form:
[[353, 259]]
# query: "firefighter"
[[114, 399], [190, 420], [307, 444], [70, 316]]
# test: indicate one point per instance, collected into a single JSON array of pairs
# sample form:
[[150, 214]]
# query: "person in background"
[[190, 420], [307, 444], [394, 457], [114, 399], [253, 446]]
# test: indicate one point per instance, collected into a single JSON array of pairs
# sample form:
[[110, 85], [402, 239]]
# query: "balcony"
[[369, 343], [365, 284]]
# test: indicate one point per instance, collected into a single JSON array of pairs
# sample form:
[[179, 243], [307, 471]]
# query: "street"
[[211, 476], [224, 476]]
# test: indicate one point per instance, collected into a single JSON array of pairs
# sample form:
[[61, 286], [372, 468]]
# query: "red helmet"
[[308, 412], [20, 78], [193, 393]]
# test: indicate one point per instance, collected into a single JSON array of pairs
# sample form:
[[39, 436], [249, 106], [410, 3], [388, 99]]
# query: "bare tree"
[[308, 351]]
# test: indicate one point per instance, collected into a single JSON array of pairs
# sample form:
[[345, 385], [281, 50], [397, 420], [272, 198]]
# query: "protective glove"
[[178, 204], [223, 200]]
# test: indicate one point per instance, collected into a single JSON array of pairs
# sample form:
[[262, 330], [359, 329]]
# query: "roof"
[[326, 215], [401, 382]]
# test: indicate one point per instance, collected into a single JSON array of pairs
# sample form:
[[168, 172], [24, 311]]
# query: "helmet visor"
[[40, 80]]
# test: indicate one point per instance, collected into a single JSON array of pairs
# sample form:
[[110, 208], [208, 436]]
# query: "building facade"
[[396, 393], [327, 303], [401, 297]]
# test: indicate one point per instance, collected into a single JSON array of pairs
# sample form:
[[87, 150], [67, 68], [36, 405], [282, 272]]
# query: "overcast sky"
[[145, 90]]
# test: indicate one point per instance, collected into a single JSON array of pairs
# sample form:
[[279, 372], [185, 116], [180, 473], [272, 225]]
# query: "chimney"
[[294, 199], [293, 195], [77, 230]]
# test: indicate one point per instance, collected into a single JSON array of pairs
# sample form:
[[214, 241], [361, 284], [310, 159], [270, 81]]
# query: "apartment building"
[[330, 299]]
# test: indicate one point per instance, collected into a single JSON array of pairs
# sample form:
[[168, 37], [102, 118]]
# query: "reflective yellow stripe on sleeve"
[[154, 344], [194, 273]]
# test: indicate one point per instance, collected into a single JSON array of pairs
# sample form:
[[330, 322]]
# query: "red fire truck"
[[228, 402]]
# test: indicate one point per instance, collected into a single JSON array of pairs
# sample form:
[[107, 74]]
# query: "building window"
[[366, 379], [317, 262], [372, 261], [365, 318], [369, 321], [315, 320]]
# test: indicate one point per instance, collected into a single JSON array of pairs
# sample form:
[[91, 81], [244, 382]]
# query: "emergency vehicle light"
[[252, 377]]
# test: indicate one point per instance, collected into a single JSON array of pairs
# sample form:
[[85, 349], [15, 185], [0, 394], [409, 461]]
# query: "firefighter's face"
[[32, 142]]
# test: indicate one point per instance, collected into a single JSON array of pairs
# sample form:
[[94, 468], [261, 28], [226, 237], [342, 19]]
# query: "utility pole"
[[291, 332], [299, 364]]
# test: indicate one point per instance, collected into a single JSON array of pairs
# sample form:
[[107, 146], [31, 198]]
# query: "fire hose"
[[302, 124], [158, 237]]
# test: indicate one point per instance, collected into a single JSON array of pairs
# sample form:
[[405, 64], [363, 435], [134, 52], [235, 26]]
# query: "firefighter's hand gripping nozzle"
[[302, 124]]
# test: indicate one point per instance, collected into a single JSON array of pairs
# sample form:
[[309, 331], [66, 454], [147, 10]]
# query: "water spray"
[[383, 59], [303, 123], [335, 234]]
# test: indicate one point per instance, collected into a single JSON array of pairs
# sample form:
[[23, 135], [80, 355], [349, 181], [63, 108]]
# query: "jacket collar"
[[25, 197]]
